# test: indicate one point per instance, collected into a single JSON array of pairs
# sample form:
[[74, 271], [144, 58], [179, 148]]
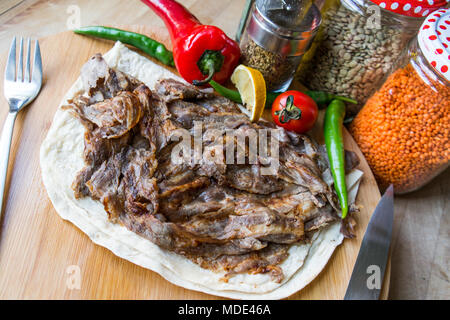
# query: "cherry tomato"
[[294, 111]]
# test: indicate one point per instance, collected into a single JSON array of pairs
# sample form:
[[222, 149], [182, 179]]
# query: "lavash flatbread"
[[61, 157]]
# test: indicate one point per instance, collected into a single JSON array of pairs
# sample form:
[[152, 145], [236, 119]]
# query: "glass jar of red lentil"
[[358, 42], [404, 128]]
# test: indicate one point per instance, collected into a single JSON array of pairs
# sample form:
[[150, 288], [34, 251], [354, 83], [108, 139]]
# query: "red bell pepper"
[[201, 52]]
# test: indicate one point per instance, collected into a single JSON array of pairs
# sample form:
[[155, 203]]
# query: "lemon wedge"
[[252, 88]]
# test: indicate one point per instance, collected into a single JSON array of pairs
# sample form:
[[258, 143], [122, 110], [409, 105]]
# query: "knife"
[[368, 273]]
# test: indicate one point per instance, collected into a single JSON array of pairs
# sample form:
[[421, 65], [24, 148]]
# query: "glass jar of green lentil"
[[359, 42]]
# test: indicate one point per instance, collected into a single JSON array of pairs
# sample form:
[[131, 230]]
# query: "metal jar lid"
[[288, 40]]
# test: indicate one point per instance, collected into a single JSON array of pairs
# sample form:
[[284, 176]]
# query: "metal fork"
[[20, 88]]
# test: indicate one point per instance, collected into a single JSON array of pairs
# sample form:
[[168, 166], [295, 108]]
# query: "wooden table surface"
[[421, 239]]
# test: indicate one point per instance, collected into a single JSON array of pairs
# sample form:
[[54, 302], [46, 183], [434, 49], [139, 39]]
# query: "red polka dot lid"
[[411, 8], [434, 41]]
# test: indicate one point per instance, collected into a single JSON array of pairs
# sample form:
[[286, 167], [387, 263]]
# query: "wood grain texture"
[[40, 18], [421, 243], [421, 268], [37, 246]]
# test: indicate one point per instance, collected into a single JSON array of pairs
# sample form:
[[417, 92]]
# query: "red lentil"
[[403, 130]]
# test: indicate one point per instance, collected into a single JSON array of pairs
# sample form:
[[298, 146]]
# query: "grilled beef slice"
[[222, 216]]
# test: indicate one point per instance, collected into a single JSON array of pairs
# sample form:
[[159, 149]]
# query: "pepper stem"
[[211, 73], [349, 100], [209, 63]]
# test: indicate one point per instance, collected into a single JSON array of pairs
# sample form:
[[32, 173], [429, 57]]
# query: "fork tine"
[[27, 63], [10, 71], [20, 65], [37, 66]]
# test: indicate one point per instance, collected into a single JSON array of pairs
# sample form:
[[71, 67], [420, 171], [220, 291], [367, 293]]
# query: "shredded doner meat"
[[223, 216]]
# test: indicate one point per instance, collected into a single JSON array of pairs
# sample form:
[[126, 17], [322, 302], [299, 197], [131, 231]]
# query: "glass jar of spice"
[[277, 34], [359, 41], [404, 128]]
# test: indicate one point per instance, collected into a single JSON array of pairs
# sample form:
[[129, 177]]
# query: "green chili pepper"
[[325, 98], [270, 98], [320, 97], [151, 47], [234, 95], [334, 141]]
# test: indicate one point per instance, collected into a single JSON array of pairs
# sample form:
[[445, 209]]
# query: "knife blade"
[[368, 273]]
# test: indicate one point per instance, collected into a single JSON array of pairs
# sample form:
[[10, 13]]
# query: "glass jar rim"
[[422, 66], [284, 32], [388, 18]]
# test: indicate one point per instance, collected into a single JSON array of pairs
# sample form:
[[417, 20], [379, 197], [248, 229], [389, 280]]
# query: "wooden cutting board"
[[45, 257]]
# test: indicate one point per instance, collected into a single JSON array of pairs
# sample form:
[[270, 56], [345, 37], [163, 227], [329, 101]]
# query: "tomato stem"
[[289, 112]]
